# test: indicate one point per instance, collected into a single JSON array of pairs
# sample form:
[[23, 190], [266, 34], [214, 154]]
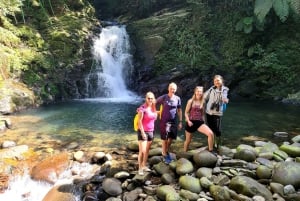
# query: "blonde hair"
[[151, 94], [201, 98], [173, 84]]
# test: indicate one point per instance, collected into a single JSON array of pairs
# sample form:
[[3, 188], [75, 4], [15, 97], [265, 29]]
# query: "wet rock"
[[61, 193], [281, 134], [50, 168], [112, 186]]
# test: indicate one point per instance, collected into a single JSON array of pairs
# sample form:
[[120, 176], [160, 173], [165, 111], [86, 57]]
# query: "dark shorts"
[[149, 135], [194, 127], [168, 130], [214, 123]]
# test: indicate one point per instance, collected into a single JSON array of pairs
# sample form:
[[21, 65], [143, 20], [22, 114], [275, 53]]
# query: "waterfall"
[[111, 51]]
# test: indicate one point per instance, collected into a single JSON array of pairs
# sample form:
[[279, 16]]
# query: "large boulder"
[[205, 159], [61, 193], [287, 173], [248, 186], [15, 96], [49, 169]]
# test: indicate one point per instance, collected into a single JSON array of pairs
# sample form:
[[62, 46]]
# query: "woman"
[[216, 100], [146, 117], [194, 113]]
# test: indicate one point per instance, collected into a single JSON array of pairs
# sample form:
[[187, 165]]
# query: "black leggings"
[[214, 123]]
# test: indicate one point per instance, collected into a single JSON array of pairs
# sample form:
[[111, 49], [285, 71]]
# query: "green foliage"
[[245, 24], [262, 8], [281, 9]]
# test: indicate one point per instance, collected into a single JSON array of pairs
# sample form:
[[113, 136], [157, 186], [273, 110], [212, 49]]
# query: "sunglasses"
[[150, 98]]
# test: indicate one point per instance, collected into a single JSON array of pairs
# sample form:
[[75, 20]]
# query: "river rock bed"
[[262, 171]]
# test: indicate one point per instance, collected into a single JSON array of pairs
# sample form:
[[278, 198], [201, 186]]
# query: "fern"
[[262, 8], [281, 9]]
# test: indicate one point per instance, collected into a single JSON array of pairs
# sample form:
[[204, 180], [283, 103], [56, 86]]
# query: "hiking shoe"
[[146, 169], [214, 152], [167, 159], [141, 172]]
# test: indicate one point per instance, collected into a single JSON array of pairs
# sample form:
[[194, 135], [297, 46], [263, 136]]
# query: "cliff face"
[[190, 41]]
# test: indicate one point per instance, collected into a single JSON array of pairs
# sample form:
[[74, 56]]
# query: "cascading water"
[[113, 65]]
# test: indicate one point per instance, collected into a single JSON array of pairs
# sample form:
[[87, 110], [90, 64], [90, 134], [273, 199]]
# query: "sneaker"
[[141, 172], [167, 159], [146, 169]]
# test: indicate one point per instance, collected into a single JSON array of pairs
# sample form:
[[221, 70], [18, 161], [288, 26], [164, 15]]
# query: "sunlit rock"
[[49, 169]]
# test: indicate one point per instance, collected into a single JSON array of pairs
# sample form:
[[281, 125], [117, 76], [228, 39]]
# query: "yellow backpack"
[[136, 122]]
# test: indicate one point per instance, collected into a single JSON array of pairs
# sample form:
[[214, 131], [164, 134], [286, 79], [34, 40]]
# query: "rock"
[[246, 155], [205, 159], [121, 175], [279, 155], [163, 190], [291, 150], [162, 168], [79, 156], [219, 193], [15, 97], [155, 152], [8, 144], [249, 187], [16, 152], [204, 172], [184, 166], [287, 173], [167, 178], [50, 168], [112, 186], [296, 139], [132, 195], [277, 188], [263, 172], [268, 147], [281, 134], [61, 193], [190, 183], [189, 195]]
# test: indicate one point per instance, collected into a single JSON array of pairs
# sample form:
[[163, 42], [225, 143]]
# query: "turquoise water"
[[109, 124]]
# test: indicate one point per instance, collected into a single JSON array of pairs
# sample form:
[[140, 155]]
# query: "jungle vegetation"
[[254, 43]]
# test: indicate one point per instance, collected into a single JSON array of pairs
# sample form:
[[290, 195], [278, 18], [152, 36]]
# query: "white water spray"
[[114, 64]]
